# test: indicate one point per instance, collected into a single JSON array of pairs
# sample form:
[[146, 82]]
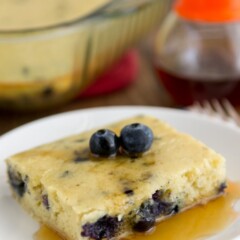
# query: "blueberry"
[[222, 187], [151, 209], [45, 201], [105, 228], [136, 138], [48, 92], [144, 224], [104, 143], [17, 182], [129, 192]]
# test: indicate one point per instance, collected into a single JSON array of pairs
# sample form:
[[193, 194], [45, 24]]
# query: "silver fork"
[[221, 109]]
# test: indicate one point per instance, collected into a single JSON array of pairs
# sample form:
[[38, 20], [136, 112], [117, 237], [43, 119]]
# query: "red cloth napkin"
[[119, 76]]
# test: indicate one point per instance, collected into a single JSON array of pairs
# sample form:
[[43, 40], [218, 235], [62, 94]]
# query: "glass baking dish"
[[47, 65]]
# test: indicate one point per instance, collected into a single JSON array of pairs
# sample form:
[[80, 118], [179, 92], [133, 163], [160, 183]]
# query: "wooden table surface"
[[146, 90]]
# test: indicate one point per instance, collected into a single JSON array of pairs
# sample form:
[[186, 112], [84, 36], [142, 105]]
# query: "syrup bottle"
[[197, 51]]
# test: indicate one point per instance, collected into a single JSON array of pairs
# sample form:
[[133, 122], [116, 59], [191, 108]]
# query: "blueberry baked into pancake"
[[110, 182]]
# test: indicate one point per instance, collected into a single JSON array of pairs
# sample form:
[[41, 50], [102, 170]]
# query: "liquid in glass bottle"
[[197, 51]]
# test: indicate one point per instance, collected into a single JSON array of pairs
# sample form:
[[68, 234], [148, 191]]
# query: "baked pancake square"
[[63, 186]]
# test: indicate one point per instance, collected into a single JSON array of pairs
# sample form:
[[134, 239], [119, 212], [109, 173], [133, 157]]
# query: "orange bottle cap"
[[209, 10]]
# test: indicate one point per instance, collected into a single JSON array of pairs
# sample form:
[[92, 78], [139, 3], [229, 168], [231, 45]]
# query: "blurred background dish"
[[30, 15], [48, 63]]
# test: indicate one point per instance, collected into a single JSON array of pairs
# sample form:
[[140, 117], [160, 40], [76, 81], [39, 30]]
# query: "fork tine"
[[222, 109], [219, 109], [196, 107], [231, 111], [208, 109]]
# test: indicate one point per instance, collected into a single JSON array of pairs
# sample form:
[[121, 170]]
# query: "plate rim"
[[200, 116]]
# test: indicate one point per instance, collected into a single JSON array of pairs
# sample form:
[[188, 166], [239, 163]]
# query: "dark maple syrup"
[[201, 221], [185, 90]]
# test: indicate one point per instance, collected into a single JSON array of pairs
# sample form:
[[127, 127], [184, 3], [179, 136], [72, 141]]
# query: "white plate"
[[15, 224]]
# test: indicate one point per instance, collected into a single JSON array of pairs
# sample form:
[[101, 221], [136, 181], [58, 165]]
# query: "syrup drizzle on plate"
[[200, 222]]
